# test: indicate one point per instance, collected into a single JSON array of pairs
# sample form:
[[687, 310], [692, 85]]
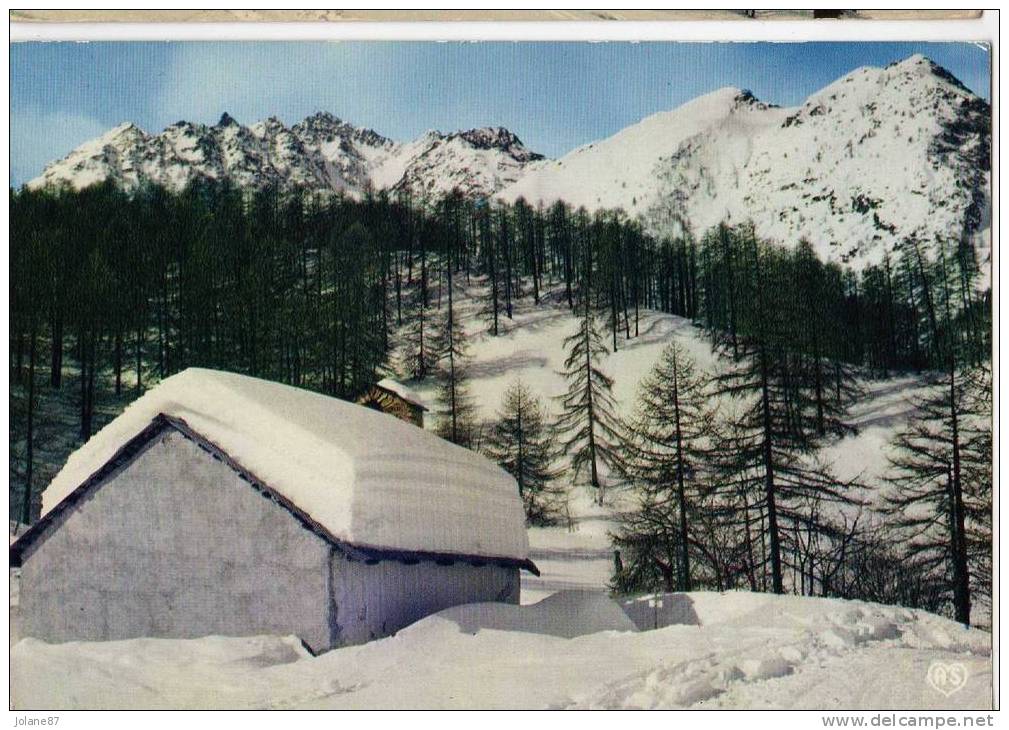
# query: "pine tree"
[[28, 259], [490, 254], [589, 422], [505, 246], [668, 455], [940, 476], [825, 387], [767, 458], [521, 441], [939, 471], [457, 420], [563, 245], [977, 474], [610, 267], [527, 225], [419, 355]]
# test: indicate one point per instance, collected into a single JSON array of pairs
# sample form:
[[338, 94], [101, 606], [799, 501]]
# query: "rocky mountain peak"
[[320, 152], [320, 124], [498, 138], [746, 99], [273, 123], [878, 156], [126, 133], [323, 118], [924, 66], [323, 127]]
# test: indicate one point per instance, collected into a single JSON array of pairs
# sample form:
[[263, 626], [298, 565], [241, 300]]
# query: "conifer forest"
[[721, 475]]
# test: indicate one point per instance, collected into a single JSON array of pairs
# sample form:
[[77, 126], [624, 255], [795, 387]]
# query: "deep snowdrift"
[[368, 478], [744, 650], [565, 614]]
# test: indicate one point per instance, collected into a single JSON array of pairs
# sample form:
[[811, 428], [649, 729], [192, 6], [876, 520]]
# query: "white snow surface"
[[565, 614], [366, 477], [619, 171], [729, 650]]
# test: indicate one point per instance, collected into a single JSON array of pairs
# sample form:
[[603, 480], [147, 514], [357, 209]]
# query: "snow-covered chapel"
[[223, 504]]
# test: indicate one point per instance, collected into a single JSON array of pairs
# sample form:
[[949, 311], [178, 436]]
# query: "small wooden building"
[[223, 504], [395, 399]]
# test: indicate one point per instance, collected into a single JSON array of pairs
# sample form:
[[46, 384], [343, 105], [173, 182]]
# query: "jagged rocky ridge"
[[321, 152]]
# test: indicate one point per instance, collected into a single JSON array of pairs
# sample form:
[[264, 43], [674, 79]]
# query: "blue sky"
[[553, 95]]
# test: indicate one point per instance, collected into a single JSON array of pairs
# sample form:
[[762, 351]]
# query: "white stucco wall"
[[176, 545]]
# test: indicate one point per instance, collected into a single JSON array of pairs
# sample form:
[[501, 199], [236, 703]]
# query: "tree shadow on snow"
[[661, 610], [571, 613], [504, 365]]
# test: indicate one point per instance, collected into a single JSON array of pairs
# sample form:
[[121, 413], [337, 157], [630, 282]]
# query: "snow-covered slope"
[[321, 152], [619, 172], [477, 162], [719, 650], [579, 555], [875, 157]]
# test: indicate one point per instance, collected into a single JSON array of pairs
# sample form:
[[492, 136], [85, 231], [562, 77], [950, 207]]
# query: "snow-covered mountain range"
[[880, 155], [321, 152], [875, 157]]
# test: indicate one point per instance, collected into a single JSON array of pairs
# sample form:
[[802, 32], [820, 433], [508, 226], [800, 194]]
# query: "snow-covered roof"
[[367, 478], [402, 391]]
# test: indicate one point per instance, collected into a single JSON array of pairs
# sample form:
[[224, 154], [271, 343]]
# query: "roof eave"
[[412, 402]]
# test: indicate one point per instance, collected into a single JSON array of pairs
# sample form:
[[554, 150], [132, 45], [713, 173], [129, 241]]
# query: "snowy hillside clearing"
[[578, 555], [741, 650]]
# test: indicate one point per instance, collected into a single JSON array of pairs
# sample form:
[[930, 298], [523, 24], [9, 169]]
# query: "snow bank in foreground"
[[745, 651], [566, 614], [368, 478]]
